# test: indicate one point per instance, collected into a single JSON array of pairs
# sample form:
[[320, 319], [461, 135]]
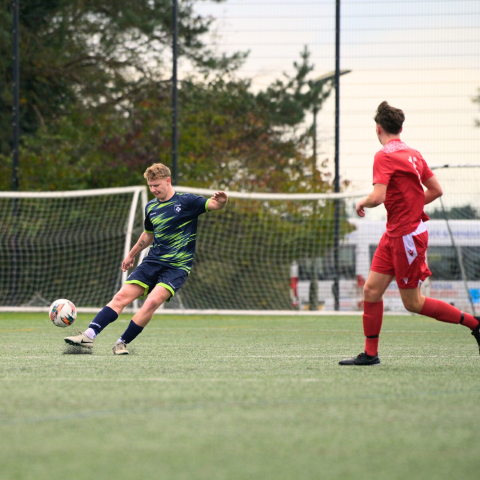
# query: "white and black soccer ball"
[[62, 312]]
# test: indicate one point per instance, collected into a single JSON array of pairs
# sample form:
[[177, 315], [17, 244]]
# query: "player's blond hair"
[[157, 171], [389, 118]]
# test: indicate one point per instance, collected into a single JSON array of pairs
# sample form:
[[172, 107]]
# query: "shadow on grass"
[[71, 350]]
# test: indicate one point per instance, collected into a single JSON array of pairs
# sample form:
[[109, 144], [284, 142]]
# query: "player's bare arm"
[[372, 200], [218, 201], [433, 189], [144, 241]]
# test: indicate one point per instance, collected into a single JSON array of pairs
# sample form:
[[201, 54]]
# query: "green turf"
[[239, 398]]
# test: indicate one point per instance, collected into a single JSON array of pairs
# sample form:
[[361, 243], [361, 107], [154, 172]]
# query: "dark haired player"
[[398, 175], [171, 225]]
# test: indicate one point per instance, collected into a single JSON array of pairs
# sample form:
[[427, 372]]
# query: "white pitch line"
[[429, 356], [159, 379], [341, 356]]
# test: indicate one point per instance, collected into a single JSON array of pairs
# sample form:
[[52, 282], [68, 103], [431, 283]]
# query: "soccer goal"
[[265, 252]]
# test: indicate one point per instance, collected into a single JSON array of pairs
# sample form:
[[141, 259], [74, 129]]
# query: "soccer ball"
[[62, 312]]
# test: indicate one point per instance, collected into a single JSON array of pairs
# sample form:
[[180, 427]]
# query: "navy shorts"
[[151, 274]]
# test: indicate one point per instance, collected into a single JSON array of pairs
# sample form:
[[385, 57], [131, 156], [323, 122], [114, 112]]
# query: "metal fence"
[[422, 56]]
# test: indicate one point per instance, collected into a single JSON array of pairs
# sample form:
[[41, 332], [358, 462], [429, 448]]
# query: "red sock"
[[372, 324], [444, 312]]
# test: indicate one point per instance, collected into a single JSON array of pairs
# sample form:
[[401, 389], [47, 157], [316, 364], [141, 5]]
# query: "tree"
[[229, 138], [96, 96], [87, 53]]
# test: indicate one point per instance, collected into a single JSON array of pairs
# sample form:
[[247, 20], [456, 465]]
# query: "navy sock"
[[131, 333], [104, 317]]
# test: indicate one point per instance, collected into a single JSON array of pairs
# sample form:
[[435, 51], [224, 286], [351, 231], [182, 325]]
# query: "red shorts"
[[403, 257]]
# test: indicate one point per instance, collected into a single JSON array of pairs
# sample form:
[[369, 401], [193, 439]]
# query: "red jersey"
[[402, 169]]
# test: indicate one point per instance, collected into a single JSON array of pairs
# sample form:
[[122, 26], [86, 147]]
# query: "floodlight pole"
[[313, 289], [16, 93], [336, 230], [174, 93]]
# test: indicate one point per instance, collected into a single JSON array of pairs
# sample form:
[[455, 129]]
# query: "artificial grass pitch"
[[239, 398]]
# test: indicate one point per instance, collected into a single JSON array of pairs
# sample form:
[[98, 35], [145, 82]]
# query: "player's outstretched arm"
[[433, 189], [218, 201], [144, 241], [374, 199]]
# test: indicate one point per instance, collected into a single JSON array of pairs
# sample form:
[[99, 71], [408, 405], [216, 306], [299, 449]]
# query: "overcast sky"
[[422, 56]]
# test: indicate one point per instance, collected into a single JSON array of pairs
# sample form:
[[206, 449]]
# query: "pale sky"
[[422, 56]]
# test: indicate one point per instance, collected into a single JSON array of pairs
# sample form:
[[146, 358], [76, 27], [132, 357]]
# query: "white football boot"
[[120, 348], [80, 340]]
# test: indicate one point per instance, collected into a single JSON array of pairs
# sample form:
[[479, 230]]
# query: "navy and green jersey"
[[174, 225]]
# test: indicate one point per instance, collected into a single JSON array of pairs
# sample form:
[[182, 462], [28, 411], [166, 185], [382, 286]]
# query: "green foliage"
[[96, 101], [287, 100], [78, 54], [229, 138], [96, 112]]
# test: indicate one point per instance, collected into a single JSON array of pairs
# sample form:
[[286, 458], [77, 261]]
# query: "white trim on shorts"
[[410, 249]]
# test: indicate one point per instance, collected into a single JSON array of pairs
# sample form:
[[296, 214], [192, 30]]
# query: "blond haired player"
[[171, 229]]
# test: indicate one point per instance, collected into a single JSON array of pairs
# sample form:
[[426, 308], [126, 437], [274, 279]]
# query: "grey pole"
[[174, 93], [314, 168], [336, 230], [16, 93], [16, 136], [313, 289]]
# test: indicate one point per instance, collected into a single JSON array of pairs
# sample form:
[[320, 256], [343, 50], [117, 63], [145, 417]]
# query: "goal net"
[[293, 253], [274, 252], [454, 237], [66, 245], [271, 252]]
